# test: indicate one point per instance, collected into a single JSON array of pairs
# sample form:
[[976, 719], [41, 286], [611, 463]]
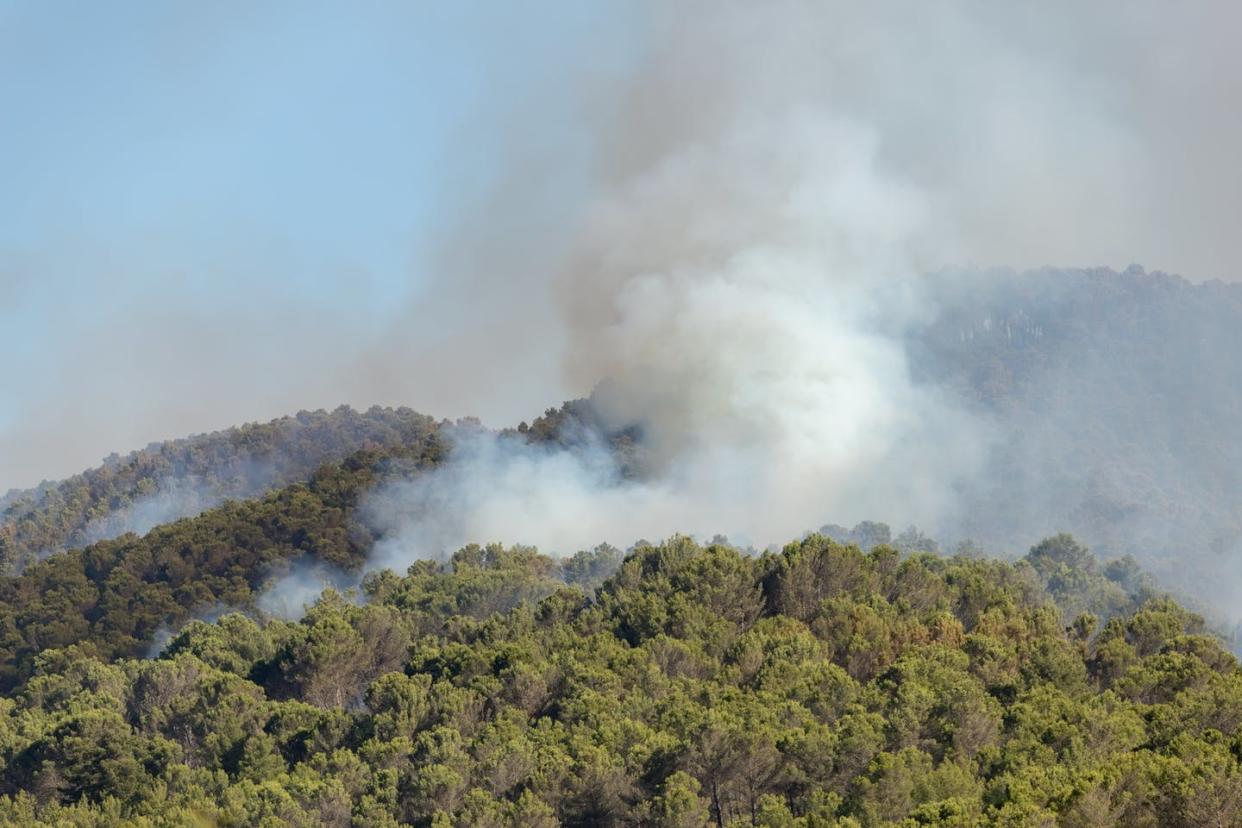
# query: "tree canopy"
[[181, 478], [679, 685]]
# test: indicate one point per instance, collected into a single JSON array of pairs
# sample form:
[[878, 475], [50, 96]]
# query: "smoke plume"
[[742, 272], [722, 211], [743, 264]]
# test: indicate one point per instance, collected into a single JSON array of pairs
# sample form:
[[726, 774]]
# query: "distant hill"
[[112, 597], [1115, 400], [1118, 401], [181, 478]]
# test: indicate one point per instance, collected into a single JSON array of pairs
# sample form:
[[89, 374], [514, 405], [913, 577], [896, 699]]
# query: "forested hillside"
[[111, 597], [1116, 398], [687, 685], [815, 686], [179, 478], [856, 678], [819, 516]]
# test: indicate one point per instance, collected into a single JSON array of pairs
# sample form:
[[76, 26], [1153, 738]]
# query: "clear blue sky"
[[204, 159]]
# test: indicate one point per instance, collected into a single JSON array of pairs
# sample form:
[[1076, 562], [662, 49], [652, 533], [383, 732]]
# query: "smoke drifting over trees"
[[1118, 395], [181, 478], [746, 264], [726, 213], [794, 265]]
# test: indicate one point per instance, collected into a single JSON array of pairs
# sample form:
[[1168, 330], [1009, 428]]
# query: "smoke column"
[[742, 275], [742, 258]]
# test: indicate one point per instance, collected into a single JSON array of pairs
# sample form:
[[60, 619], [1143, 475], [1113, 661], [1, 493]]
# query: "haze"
[[216, 215]]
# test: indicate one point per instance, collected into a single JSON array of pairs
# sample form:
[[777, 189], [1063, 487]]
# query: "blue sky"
[[236, 165]]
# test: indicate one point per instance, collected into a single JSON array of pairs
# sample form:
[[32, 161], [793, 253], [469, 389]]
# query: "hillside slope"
[[1117, 398], [1114, 399], [110, 598], [180, 478]]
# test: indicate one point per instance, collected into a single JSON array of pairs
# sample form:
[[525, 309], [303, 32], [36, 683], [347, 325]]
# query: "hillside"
[[851, 680], [1112, 400], [776, 471], [110, 598], [1116, 398], [815, 686], [824, 684], [181, 478]]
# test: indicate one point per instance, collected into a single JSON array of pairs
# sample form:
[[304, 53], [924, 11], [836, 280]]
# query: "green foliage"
[[179, 478], [697, 686], [112, 597]]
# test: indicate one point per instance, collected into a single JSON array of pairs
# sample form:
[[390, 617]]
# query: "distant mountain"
[[181, 478], [1117, 401]]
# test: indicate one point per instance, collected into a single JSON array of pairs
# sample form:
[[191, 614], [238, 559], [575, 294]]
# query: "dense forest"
[[834, 520], [180, 478], [857, 677], [111, 597], [856, 681], [682, 686]]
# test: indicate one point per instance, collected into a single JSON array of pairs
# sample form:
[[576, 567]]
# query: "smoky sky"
[[229, 215]]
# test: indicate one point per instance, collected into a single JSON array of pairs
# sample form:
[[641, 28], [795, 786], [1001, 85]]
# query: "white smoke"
[[499, 487], [1029, 134], [741, 266], [745, 301], [295, 585], [173, 499], [742, 281]]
